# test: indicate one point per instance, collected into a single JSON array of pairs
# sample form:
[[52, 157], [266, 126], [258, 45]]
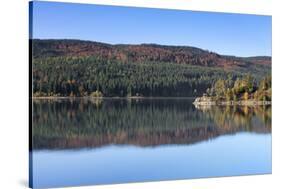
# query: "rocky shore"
[[209, 101]]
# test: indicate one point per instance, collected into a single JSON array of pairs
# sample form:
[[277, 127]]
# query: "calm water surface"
[[86, 141]]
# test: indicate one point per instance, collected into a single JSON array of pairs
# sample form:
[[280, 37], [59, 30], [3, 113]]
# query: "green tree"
[[220, 88]]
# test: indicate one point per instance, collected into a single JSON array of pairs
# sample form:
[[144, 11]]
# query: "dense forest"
[[84, 68], [241, 89]]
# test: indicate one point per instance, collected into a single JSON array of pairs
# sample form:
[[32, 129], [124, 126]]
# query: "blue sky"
[[229, 34]]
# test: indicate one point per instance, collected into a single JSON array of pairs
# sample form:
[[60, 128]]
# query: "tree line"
[[244, 88], [92, 76]]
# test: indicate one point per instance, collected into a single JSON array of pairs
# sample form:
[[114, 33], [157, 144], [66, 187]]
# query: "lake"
[[106, 141]]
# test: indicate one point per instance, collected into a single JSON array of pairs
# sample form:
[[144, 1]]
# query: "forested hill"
[[141, 53], [84, 68]]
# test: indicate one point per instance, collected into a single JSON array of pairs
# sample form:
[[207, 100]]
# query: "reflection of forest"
[[94, 123], [240, 116]]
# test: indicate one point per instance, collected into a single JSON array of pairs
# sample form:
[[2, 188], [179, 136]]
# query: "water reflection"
[[64, 124]]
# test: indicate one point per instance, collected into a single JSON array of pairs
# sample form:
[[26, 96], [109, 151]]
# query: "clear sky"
[[229, 34]]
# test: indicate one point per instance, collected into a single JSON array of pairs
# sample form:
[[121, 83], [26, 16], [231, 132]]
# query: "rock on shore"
[[208, 101]]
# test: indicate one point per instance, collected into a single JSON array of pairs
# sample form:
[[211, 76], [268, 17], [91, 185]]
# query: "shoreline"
[[233, 103], [197, 101], [89, 97]]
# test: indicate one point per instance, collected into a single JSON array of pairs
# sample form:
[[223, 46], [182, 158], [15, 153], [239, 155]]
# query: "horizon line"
[[151, 43]]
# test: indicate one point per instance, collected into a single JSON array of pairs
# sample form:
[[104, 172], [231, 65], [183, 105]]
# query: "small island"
[[245, 91]]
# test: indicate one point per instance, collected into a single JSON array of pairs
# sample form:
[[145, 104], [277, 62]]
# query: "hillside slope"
[[141, 53], [84, 68]]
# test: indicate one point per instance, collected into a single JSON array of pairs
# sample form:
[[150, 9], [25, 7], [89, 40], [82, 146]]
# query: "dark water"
[[83, 142]]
